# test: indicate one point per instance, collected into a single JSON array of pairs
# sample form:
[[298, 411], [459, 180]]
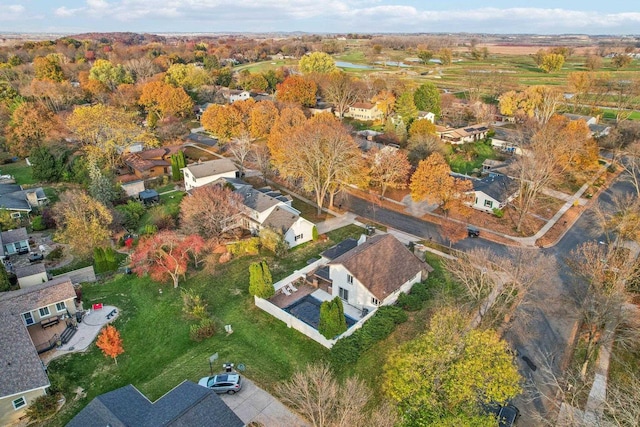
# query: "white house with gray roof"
[[22, 374], [493, 191], [203, 173]]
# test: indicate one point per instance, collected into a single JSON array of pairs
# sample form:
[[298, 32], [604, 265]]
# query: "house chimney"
[[32, 198]]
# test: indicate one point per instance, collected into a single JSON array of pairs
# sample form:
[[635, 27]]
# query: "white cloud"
[[65, 12]]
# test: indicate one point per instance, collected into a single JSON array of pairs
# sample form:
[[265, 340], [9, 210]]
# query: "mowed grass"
[[20, 171], [158, 351], [469, 156]]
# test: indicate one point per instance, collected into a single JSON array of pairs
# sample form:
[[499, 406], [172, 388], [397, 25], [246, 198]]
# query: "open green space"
[[20, 171], [158, 351], [466, 158]]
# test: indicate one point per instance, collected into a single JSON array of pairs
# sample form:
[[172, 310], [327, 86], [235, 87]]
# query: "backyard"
[[158, 352]]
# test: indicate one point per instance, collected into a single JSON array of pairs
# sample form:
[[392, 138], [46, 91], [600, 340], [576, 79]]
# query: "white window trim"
[[33, 321], [349, 279], [375, 301], [44, 308], [24, 403], [343, 291], [64, 307]]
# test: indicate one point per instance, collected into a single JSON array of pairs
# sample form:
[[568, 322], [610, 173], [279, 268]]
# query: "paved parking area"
[[254, 404]]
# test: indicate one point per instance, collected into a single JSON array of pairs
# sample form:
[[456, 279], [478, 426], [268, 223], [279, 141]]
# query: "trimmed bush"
[[409, 302], [55, 254], [260, 281], [332, 320], [314, 233], [245, 247], [498, 212], [37, 223]]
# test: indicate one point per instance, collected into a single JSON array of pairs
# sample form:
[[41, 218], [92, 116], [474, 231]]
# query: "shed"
[[149, 197]]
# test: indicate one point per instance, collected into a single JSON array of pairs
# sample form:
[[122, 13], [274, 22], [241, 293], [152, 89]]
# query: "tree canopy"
[[297, 90], [317, 62], [427, 98]]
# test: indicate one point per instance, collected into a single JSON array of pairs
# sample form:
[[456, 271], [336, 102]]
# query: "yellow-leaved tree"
[[447, 373], [82, 222]]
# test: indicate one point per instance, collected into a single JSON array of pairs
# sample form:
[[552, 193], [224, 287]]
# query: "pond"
[[394, 64], [344, 64]]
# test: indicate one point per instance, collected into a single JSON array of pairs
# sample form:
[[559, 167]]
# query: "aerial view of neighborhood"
[[331, 214]]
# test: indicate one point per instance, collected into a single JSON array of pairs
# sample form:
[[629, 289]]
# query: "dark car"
[[505, 414], [222, 383], [35, 257], [473, 232]]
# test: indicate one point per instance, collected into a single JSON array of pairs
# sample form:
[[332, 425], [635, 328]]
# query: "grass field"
[[20, 171], [469, 156], [158, 352]]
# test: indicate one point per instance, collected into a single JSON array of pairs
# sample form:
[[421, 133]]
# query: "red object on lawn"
[[97, 306]]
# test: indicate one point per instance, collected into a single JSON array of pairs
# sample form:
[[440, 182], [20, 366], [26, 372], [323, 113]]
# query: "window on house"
[[349, 279], [488, 203], [343, 293], [15, 215], [44, 311], [28, 318], [60, 306], [375, 301], [299, 237], [19, 402]]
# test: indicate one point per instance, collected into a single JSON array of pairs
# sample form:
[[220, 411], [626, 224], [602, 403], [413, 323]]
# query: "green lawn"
[[20, 171], [467, 157], [158, 352]]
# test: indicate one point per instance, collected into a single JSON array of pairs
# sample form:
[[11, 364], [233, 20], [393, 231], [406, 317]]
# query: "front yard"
[[158, 352]]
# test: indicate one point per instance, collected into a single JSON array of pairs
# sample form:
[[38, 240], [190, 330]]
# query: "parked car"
[[222, 383], [505, 414], [473, 232], [35, 257]]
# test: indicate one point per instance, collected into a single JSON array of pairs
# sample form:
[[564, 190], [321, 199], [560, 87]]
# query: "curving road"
[[544, 322]]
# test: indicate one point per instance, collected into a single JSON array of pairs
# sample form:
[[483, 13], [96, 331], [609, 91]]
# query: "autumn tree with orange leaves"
[[110, 343], [432, 181], [166, 255], [165, 100], [263, 117], [389, 169], [297, 90]]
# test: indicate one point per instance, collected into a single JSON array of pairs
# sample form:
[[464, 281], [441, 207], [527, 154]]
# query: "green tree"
[[98, 260], [425, 56], [46, 166], [5, 285], [187, 76], [427, 98], [449, 371], [131, 213], [272, 240], [111, 76], [101, 187], [406, 108], [317, 62], [332, 320], [260, 281], [6, 221]]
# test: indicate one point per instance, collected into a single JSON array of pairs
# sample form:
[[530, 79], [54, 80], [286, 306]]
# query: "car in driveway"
[[229, 383], [35, 257], [505, 414]]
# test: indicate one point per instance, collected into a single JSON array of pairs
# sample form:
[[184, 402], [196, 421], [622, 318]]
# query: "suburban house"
[[14, 242], [31, 275], [463, 135], [365, 274], [131, 185], [30, 323], [233, 95], [597, 130], [188, 404], [364, 111], [266, 208], [19, 201], [152, 163], [203, 173], [494, 191], [426, 115]]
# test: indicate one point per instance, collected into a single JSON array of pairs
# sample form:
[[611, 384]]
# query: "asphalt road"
[[543, 323]]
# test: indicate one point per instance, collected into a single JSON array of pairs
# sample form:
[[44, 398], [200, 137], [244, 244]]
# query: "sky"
[[322, 16]]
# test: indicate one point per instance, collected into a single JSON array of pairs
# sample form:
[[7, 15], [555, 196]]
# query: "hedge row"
[[379, 326]]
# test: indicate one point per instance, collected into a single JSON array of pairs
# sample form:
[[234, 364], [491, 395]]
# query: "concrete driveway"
[[254, 404]]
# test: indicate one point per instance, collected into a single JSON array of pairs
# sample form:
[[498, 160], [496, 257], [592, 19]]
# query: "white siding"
[[300, 227]]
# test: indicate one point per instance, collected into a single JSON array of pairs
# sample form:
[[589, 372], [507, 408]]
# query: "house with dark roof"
[[266, 208], [186, 405], [203, 173], [14, 242], [29, 319], [493, 191], [20, 201], [472, 133]]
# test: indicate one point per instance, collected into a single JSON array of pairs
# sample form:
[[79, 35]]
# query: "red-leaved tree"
[[110, 343], [166, 255]]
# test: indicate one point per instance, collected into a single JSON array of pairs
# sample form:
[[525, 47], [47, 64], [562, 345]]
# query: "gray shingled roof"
[[281, 219], [381, 264], [20, 365], [12, 197], [256, 200], [186, 405], [9, 188], [499, 187], [13, 236], [29, 270], [211, 167], [343, 247]]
